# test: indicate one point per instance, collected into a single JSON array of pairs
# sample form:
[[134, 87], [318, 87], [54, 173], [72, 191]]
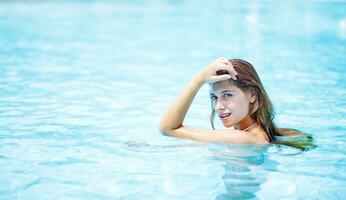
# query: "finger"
[[234, 77], [228, 68], [223, 66], [223, 77], [234, 72], [231, 66], [226, 62]]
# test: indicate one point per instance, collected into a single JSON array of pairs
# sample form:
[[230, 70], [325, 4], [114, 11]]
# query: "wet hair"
[[262, 109]]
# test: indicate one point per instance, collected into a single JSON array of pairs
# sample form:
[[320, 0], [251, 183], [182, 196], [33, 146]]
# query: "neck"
[[246, 124], [253, 125]]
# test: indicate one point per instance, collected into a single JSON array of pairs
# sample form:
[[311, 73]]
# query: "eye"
[[213, 97], [227, 95]]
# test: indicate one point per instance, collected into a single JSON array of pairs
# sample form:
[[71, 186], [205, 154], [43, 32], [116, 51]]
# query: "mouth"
[[225, 116]]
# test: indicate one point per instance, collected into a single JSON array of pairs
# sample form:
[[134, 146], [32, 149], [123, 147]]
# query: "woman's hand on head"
[[218, 70]]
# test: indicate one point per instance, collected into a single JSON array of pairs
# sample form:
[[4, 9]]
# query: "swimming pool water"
[[83, 85]]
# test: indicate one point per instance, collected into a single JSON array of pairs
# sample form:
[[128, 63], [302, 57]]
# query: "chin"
[[228, 125]]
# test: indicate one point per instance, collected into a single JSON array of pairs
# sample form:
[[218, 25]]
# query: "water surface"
[[83, 85]]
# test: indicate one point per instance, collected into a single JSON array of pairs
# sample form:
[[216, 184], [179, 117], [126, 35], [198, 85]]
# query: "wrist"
[[198, 81]]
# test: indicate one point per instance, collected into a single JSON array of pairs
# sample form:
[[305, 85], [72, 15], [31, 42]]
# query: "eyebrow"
[[222, 92], [226, 91]]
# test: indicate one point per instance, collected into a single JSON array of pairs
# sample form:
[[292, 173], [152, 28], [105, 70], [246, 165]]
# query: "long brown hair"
[[261, 110]]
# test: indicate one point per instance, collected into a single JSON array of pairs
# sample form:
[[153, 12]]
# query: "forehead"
[[220, 86]]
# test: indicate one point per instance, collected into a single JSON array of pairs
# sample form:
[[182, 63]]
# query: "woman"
[[237, 97]]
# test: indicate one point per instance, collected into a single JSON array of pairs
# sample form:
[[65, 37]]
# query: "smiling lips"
[[225, 116]]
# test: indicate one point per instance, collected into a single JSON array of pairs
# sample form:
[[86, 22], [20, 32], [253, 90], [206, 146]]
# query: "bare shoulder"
[[229, 136], [290, 132]]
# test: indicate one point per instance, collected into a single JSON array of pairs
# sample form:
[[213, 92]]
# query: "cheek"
[[241, 110]]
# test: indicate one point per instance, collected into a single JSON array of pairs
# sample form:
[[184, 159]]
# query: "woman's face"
[[230, 103]]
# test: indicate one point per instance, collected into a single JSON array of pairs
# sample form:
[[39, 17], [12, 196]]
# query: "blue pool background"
[[83, 85]]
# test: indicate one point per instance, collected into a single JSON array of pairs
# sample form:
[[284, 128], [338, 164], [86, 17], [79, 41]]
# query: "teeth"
[[225, 115]]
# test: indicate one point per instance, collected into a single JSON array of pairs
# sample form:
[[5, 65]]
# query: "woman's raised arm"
[[174, 116]]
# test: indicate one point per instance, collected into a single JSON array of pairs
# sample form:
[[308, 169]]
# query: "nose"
[[219, 105]]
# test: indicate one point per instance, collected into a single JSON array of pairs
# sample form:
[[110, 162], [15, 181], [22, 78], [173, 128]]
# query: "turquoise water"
[[83, 85]]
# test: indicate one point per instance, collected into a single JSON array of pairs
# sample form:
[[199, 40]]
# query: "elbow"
[[163, 131], [164, 128], [167, 130]]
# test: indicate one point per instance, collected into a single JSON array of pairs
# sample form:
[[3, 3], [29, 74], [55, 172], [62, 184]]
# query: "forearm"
[[176, 113]]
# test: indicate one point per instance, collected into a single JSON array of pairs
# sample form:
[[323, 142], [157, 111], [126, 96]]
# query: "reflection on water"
[[243, 168], [248, 169]]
